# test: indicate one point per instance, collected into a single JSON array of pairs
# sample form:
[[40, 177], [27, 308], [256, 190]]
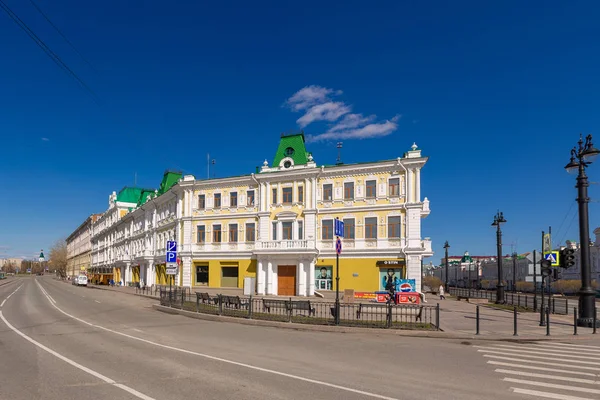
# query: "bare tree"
[[58, 257], [10, 267]]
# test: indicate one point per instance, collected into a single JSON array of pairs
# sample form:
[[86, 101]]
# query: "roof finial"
[[266, 163], [414, 146]]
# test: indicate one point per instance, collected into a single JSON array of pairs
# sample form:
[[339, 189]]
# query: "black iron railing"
[[372, 315]]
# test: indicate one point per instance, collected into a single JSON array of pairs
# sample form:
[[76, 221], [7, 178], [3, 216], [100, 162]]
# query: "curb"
[[131, 294], [344, 329]]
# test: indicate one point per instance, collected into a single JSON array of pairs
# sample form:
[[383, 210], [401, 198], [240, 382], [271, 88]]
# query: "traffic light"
[[546, 267], [567, 258]]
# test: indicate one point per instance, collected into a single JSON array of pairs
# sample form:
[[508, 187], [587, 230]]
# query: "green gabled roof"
[[170, 178], [129, 195], [296, 143]]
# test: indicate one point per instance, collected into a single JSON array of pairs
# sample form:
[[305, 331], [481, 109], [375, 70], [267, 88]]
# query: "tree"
[[58, 257], [433, 282]]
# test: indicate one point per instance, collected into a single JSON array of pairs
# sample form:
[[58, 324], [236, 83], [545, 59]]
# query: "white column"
[[279, 230], [307, 193], [260, 277], [311, 278], [301, 289], [268, 196], [127, 274], [313, 196], [418, 178], [295, 230], [413, 270], [270, 277], [409, 186]]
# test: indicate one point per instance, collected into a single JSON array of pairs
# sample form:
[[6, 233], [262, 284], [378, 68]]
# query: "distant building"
[[79, 247], [16, 262], [575, 271]]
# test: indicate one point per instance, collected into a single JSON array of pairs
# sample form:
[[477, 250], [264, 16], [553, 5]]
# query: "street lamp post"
[[499, 219], [514, 257], [582, 156], [470, 280], [446, 247]]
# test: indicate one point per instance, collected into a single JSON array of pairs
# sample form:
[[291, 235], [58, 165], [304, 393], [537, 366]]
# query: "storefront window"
[[202, 274]]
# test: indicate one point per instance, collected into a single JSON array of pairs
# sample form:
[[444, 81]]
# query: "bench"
[[234, 301], [282, 304], [303, 305], [462, 297], [205, 298], [417, 312]]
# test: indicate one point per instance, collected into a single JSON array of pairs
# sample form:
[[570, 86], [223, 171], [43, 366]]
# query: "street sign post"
[[171, 261], [338, 227], [338, 246]]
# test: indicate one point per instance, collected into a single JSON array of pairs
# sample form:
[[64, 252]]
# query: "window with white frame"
[[394, 187], [327, 229], [394, 227], [371, 228]]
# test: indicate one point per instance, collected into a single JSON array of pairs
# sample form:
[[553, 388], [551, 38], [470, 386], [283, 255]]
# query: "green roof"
[[129, 195], [291, 146], [144, 196], [170, 178]]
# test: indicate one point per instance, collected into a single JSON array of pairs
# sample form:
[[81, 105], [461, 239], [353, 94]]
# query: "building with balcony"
[[275, 226], [79, 247]]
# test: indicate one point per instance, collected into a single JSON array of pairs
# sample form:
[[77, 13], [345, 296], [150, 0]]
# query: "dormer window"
[[289, 152]]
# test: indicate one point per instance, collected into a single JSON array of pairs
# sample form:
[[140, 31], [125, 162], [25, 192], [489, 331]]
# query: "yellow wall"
[[246, 268], [367, 269], [161, 274]]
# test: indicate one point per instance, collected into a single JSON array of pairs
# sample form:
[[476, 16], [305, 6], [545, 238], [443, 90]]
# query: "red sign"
[[365, 295], [408, 298]]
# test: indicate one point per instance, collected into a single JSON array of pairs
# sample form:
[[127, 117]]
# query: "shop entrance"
[[286, 280], [229, 277]]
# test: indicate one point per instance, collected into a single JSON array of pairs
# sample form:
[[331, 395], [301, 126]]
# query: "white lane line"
[[542, 362], [545, 376], [48, 295], [75, 364], [226, 361], [138, 330], [8, 297], [595, 350], [97, 301], [548, 395], [524, 352], [575, 345], [543, 350], [563, 371], [553, 385], [537, 357]]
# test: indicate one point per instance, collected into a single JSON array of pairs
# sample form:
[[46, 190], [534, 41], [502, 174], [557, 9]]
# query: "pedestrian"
[[442, 297]]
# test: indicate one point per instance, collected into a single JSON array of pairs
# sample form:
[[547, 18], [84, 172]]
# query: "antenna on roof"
[[339, 157]]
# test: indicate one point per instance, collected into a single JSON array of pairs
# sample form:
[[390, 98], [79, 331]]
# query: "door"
[[286, 280]]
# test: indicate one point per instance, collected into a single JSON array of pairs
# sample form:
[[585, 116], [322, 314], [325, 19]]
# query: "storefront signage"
[[390, 262], [365, 295]]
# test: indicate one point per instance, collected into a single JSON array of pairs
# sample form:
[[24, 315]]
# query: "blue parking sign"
[[171, 251], [338, 228]]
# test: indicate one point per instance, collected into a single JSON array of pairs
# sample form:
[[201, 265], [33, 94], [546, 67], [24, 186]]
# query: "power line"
[[63, 36], [53, 56]]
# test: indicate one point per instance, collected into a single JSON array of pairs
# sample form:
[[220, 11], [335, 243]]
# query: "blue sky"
[[495, 95]]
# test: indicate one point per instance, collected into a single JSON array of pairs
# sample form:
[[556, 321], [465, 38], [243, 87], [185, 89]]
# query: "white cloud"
[[329, 111], [369, 131], [45, 139], [309, 96], [317, 105]]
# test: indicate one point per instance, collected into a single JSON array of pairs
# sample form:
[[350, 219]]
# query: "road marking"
[[505, 364], [553, 377], [548, 346], [48, 295], [8, 297], [544, 350], [548, 395], [553, 385], [523, 352], [226, 361], [541, 362], [137, 330], [538, 357], [576, 345], [75, 364], [97, 301]]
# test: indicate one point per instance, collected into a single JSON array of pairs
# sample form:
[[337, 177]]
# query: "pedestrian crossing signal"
[[567, 258]]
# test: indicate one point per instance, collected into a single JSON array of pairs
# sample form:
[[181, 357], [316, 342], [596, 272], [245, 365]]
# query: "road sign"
[[546, 243], [338, 227], [171, 251], [338, 246], [553, 258], [171, 269]]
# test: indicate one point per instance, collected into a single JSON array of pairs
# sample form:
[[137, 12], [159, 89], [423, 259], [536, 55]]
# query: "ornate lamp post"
[[514, 257], [499, 219], [446, 247], [582, 156]]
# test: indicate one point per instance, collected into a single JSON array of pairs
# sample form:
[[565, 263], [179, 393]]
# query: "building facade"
[[79, 247], [275, 226]]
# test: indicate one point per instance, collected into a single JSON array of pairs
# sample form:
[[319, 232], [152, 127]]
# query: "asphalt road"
[[58, 341]]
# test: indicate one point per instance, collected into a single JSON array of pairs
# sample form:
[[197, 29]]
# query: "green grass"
[[507, 307]]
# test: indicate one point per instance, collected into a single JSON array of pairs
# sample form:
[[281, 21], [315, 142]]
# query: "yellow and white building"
[[274, 226], [79, 247]]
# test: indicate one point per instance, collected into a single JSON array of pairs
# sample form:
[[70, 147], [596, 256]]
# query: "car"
[[82, 280]]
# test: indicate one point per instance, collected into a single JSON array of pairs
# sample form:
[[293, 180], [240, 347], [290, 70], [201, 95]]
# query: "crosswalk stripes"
[[561, 371]]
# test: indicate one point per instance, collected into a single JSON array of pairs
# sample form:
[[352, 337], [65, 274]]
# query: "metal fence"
[[557, 305], [371, 315]]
